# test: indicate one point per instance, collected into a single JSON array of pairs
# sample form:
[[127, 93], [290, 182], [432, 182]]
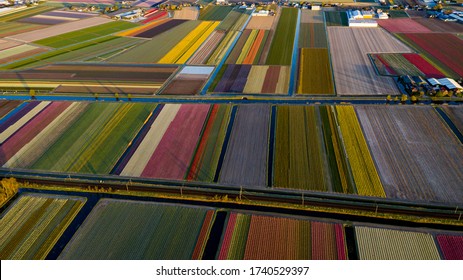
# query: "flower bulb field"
[[194, 130]]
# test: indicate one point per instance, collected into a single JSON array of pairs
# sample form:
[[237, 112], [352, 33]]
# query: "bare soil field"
[[437, 25], [190, 13], [309, 16], [416, 154], [353, 71], [6, 44], [261, 23], [59, 29]]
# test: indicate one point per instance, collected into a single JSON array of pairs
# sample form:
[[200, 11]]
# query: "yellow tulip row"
[[365, 175], [188, 45]]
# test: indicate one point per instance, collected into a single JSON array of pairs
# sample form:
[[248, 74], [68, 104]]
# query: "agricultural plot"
[[445, 48], [207, 48], [31, 226], [156, 48], [158, 155], [246, 155], [157, 15], [189, 44], [395, 64], [22, 127], [353, 72], [6, 106], [424, 66], [19, 52], [456, 116], [188, 81], [145, 230], [140, 3], [18, 14], [93, 144], [390, 244], [403, 25], [437, 25], [215, 13], [312, 35], [281, 49], [397, 14], [366, 178], [59, 29], [188, 13], [55, 17], [258, 237], [315, 76], [334, 18], [310, 16], [255, 79], [404, 142], [451, 246], [221, 50], [7, 44], [86, 34], [153, 29], [14, 28], [91, 78], [206, 160], [299, 162], [235, 20], [261, 23], [248, 49]]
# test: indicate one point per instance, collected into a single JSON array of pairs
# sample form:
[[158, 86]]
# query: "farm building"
[[261, 13], [362, 23], [382, 15], [358, 19], [356, 14], [450, 84]]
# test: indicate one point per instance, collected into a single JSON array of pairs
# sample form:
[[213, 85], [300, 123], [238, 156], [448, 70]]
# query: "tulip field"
[[145, 231], [322, 148], [194, 130], [258, 237], [31, 226], [451, 246], [389, 244], [34, 224]]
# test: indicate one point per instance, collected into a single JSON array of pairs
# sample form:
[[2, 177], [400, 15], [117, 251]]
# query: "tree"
[[414, 99], [404, 98]]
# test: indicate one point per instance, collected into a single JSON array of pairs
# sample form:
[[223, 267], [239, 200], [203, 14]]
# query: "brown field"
[[106, 89], [416, 154], [91, 78], [261, 23], [59, 29], [190, 13], [456, 115], [437, 25], [309, 16], [6, 44], [353, 71]]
